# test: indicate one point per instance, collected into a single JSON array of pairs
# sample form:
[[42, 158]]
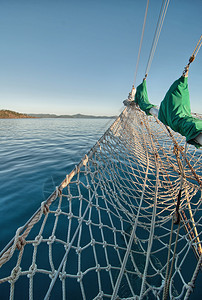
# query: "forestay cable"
[[140, 47], [198, 46], [159, 26], [193, 56]]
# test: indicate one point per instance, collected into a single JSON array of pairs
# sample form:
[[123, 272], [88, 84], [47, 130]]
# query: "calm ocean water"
[[35, 156]]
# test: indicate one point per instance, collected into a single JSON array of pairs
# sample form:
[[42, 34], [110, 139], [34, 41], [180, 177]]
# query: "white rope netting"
[[107, 230]]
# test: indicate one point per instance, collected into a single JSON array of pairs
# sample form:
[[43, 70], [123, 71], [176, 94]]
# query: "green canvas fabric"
[[141, 98], [175, 111]]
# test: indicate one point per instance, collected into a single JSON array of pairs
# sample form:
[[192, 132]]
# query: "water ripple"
[[33, 153]]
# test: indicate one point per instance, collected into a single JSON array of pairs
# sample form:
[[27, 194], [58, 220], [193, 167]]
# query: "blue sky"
[[79, 56]]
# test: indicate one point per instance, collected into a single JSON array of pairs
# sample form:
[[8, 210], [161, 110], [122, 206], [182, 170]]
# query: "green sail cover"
[[141, 98], [175, 111]]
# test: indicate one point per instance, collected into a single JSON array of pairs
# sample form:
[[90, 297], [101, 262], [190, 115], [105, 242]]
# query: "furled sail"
[[141, 98], [175, 111]]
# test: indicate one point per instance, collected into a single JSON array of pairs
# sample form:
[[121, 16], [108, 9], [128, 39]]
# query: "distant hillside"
[[80, 116], [9, 114]]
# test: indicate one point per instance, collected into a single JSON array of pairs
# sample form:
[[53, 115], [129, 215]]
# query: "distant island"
[[9, 114], [77, 116]]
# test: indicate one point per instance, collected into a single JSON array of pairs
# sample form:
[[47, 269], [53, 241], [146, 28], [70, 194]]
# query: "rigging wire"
[[158, 29], [159, 26], [192, 57], [198, 46], [140, 47]]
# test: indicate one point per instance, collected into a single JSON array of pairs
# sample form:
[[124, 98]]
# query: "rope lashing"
[[176, 213], [21, 242], [44, 207], [192, 57]]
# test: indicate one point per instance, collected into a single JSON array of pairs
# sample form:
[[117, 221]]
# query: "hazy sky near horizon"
[[79, 56]]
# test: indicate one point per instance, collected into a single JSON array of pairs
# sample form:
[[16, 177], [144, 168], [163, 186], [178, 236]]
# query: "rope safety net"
[[107, 231]]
